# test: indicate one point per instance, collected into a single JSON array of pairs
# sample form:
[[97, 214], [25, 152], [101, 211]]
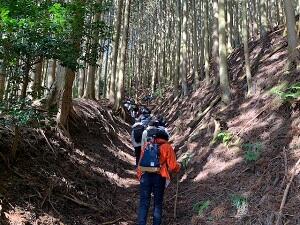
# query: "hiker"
[[145, 117], [154, 129], [148, 98], [157, 160], [136, 139]]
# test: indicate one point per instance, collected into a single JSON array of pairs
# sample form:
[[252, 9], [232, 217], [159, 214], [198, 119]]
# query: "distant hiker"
[[136, 139], [145, 117], [157, 160], [148, 99]]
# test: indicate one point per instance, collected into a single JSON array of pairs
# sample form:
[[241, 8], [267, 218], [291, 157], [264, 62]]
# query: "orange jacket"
[[167, 159]]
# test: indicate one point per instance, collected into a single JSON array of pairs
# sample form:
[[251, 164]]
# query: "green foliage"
[[21, 113], [252, 151], [287, 92], [186, 160], [34, 30], [200, 207], [238, 201], [225, 137]]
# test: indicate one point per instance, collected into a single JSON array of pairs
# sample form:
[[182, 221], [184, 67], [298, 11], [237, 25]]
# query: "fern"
[[200, 207], [225, 137], [252, 151], [238, 201], [287, 93]]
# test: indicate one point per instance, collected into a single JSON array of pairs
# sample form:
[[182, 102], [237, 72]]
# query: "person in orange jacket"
[[155, 182]]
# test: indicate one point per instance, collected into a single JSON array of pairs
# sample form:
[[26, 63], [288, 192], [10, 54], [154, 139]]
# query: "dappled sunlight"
[[118, 153], [21, 216], [82, 154], [115, 179], [216, 166]]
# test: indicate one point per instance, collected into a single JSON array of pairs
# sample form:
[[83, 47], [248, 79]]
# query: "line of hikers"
[[135, 110], [155, 159]]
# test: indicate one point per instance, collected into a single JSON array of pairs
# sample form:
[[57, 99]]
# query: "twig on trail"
[[81, 203], [48, 143], [111, 222], [285, 167], [286, 191], [176, 197], [47, 195]]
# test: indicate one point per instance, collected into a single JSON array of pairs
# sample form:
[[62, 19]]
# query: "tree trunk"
[[264, 19], [206, 42], [105, 73], [246, 48], [65, 103], [177, 74], [215, 35], [195, 44], [291, 34], [56, 88], [37, 83], [25, 80], [123, 52], [51, 79], [223, 73], [2, 80], [118, 23], [183, 50], [81, 81]]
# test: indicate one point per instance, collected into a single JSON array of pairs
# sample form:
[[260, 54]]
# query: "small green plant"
[[225, 137], [200, 207], [186, 160], [238, 201], [252, 151], [241, 204], [287, 92]]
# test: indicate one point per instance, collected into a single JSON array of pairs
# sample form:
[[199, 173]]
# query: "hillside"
[[239, 191]]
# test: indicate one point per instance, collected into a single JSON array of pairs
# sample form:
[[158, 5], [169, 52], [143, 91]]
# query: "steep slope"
[[88, 179], [221, 185]]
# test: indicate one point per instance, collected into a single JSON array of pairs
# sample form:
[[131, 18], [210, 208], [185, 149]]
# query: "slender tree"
[[123, 52], [291, 33], [223, 73], [118, 23], [246, 48]]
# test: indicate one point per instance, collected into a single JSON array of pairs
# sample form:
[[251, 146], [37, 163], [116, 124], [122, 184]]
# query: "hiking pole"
[[176, 197]]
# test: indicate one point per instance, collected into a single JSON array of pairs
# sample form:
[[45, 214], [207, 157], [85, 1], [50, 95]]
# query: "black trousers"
[[137, 152]]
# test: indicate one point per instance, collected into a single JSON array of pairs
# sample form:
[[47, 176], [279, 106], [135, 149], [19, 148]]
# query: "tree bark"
[[123, 52], [177, 74], [215, 35], [246, 48], [37, 83], [2, 80], [195, 45], [183, 50], [291, 34], [223, 73], [118, 23], [206, 42]]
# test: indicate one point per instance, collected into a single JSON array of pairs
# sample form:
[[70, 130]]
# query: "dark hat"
[[154, 123]]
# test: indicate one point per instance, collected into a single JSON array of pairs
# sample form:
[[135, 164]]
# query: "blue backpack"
[[149, 162]]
